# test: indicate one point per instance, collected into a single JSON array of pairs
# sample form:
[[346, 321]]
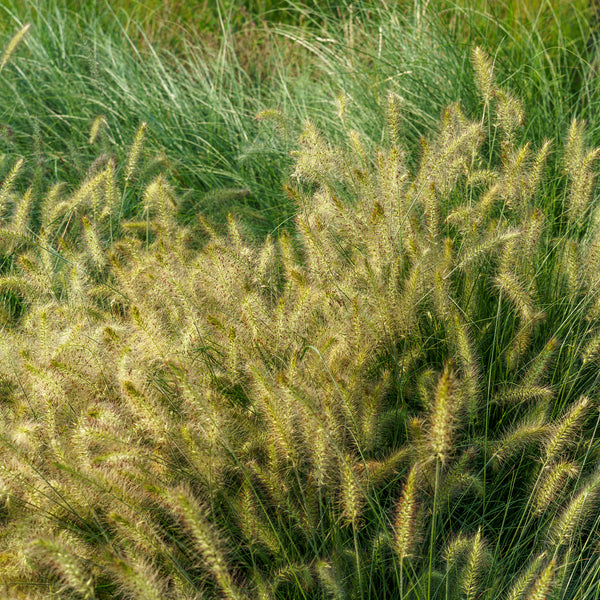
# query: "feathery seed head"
[[352, 492], [443, 416], [62, 558], [537, 170], [95, 128], [543, 584], [476, 561], [331, 579], [578, 166], [529, 431], [509, 118], [205, 537], [316, 161], [405, 521], [468, 363], [20, 223], [541, 363], [394, 116], [13, 44], [574, 147], [484, 73], [592, 348], [8, 183], [553, 481], [94, 245], [341, 102], [574, 514], [135, 152], [456, 548], [280, 120], [525, 578], [562, 433], [159, 197], [139, 577]]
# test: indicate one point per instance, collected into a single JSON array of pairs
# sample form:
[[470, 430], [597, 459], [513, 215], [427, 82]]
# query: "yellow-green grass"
[[378, 381], [398, 397]]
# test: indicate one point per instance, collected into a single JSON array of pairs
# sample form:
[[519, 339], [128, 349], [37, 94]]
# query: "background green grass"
[[200, 94]]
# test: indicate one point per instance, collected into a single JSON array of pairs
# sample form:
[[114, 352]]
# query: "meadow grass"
[[201, 98], [395, 395]]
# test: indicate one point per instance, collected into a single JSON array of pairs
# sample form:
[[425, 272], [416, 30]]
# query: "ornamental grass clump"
[[398, 397]]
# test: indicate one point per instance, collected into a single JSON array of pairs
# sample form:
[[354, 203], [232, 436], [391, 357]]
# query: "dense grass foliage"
[[320, 325], [200, 95], [398, 398]]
